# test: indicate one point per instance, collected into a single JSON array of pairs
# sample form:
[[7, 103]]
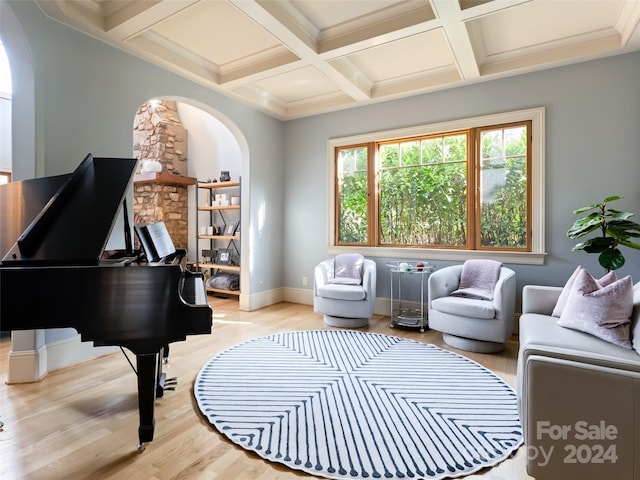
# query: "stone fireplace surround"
[[158, 134]]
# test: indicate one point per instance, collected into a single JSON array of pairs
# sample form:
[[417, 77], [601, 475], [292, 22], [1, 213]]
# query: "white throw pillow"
[[600, 311], [347, 269], [607, 279]]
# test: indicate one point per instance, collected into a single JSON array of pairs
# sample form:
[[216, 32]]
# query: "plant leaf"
[[630, 244], [621, 233], [623, 229], [596, 245], [582, 226], [625, 224], [617, 215], [612, 198], [586, 209], [611, 259]]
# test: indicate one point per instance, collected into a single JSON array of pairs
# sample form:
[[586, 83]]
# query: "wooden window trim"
[[535, 191], [478, 200]]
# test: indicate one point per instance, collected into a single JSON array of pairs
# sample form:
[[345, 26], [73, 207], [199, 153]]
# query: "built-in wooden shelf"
[[231, 268], [216, 217], [164, 179], [219, 290], [219, 237], [218, 207], [218, 184]]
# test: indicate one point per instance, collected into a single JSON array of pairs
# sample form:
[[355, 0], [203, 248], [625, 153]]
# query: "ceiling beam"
[[273, 18], [628, 23], [455, 30]]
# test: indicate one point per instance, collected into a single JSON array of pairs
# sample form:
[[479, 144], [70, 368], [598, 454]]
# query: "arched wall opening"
[[213, 144]]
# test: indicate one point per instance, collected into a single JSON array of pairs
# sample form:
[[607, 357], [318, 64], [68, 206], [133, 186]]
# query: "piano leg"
[[147, 378]]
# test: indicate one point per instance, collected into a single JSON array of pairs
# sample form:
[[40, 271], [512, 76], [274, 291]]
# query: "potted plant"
[[614, 227]]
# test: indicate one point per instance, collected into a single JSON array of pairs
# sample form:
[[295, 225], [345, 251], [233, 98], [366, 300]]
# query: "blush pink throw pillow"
[[600, 311], [607, 279]]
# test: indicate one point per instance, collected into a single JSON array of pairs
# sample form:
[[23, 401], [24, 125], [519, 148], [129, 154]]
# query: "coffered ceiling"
[[295, 58]]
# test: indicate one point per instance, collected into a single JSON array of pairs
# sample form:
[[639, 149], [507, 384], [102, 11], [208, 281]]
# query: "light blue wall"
[[5, 133], [23, 119], [86, 97], [592, 151]]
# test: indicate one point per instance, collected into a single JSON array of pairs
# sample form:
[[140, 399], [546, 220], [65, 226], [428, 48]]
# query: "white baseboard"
[[72, 350], [249, 303], [383, 306], [303, 296], [28, 366]]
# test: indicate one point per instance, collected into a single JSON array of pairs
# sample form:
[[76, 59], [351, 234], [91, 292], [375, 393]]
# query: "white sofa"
[[579, 396]]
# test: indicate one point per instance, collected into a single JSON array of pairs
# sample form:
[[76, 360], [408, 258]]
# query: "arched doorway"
[[213, 144]]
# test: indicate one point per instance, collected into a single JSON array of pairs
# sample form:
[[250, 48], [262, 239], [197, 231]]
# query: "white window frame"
[[537, 254]]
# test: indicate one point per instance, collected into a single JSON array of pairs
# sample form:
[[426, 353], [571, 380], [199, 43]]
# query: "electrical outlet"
[[304, 281]]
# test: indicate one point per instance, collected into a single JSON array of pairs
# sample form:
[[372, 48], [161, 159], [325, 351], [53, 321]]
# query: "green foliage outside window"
[[353, 208], [352, 187], [503, 214], [423, 190]]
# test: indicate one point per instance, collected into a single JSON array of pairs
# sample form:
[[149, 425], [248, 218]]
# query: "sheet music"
[[155, 240], [161, 239]]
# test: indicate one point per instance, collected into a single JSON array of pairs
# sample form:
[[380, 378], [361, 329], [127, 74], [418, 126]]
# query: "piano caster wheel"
[[165, 360], [141, 447]]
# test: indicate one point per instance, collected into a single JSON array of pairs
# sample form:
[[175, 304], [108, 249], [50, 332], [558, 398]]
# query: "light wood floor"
[[81, 422]]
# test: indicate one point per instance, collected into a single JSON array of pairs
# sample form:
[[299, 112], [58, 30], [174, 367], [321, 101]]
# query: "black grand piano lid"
[[65, 219]]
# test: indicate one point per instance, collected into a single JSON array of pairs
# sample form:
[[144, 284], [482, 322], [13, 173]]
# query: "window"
[[473, 185], [5, 177]]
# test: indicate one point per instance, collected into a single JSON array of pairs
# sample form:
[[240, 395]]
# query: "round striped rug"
[[345, 404]]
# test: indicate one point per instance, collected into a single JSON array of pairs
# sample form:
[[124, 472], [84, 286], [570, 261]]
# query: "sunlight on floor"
[[232, 322]]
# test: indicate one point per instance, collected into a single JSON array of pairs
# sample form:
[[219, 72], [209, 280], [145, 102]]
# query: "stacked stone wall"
[[159, 135], [155, 202]]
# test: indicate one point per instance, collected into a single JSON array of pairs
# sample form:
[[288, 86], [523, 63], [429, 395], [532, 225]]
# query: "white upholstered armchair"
[[472, 324], [345, 296]]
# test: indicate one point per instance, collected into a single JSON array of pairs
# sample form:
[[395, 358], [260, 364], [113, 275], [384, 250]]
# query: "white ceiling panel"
[[540, 25], [216, 31], [409, 56], [297, 85], [294, 58]]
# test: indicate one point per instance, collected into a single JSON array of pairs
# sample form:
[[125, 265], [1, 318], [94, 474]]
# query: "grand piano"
[[55, 272]]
